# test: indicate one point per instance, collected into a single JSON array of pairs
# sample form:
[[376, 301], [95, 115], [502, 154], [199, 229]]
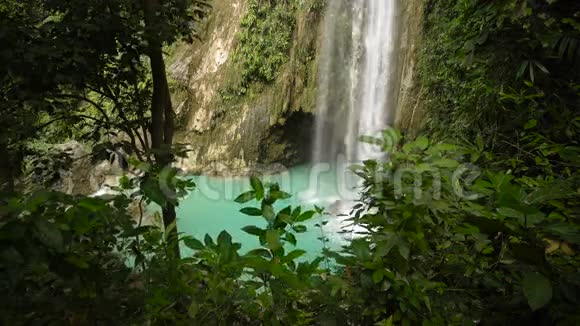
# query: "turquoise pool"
[[211, 209]]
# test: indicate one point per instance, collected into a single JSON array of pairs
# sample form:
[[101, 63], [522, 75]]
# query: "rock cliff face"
[[409, 111], [75, 174], [272, 125]]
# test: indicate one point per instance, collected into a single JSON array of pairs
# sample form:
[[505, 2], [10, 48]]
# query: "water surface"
[[211, 209]]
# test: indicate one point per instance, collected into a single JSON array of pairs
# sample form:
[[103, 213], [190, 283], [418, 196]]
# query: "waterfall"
[[355, 78]]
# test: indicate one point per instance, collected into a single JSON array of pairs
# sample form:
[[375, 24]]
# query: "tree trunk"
[[7, 176], [6, 171], [161, 110]]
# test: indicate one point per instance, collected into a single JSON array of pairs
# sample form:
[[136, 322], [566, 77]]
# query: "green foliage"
[[218, 285], [264, 41], [537, 289], [488, 68], [274, 268], [444, 243], [86, 260], [503, 75], [77, 70], [44, 165], [448, 243], [62, 261]]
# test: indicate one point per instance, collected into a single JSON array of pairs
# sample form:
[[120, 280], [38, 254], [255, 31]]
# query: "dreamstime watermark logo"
[[341, 179], [331, 182]]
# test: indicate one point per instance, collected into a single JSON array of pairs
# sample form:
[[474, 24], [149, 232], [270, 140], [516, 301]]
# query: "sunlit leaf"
[[268, 212], [245, 197], [305, 216], [273, 239], [258, 187]]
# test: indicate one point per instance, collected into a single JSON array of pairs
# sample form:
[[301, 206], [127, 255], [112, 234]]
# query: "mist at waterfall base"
[[356, 97]]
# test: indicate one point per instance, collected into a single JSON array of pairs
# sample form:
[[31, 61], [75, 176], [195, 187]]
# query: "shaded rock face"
[[251, 140], [289, 141], [84, 177], [232, 137], [88, 178]]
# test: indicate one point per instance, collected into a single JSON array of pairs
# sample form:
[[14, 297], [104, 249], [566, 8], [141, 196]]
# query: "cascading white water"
[[356, 94], [355, 83], [379, 49]]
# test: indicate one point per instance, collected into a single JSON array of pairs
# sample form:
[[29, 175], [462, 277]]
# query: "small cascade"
[[356, 79]]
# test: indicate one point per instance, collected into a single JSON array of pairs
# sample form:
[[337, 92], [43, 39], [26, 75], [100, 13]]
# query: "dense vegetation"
[[504, 75], [473, 222], [264, 42], [97, 70]]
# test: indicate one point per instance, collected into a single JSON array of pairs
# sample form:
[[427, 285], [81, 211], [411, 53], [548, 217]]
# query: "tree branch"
[[93, 103], [64, 117]]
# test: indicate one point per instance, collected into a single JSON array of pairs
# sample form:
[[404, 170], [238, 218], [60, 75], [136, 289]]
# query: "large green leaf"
[[48, 234], [446, 163], [245, 197], [276, 194], [253, 230], [378, 276], [193, 243], [422, 142], [251, 211], [224, 238], [208, 240], [305, 216], [299, 228], [537, 289], [152, 191], [294, 255], [260, 253], [291, 238], [257, 186]]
